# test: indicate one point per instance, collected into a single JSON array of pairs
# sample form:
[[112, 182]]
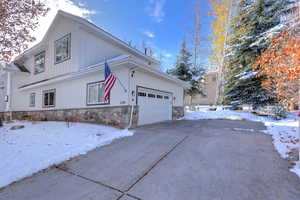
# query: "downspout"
[[8, 94], [131, 94]]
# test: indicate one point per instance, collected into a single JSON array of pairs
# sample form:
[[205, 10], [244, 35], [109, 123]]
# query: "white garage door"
[[154, 105]]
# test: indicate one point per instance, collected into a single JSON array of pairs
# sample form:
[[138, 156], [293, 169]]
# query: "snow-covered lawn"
[[42, 144], [284, 132]]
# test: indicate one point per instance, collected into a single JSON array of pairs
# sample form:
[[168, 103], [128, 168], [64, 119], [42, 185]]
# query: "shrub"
[[279, 112]]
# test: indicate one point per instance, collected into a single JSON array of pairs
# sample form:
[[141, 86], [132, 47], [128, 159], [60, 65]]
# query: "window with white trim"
[[49, 98], [62, 49], [32, 100], [95, 93], [39, 63]]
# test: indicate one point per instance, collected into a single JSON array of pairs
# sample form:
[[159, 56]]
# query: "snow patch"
[[42, 144]]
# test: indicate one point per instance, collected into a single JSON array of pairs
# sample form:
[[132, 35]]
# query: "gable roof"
[[94, 28]]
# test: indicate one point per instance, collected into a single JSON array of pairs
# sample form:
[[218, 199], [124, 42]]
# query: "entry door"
[[154, 106]]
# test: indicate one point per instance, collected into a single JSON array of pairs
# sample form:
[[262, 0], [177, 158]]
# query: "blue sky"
[[160, 23]]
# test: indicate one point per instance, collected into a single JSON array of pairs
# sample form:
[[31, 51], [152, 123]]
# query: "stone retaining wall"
[[118, 116]]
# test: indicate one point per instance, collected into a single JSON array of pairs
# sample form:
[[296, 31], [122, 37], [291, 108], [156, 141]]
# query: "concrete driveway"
[[192, 160]]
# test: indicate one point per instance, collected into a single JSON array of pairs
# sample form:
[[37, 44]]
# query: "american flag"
[[110, 80]]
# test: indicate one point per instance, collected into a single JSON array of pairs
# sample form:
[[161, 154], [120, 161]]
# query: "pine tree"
[[250, 35], [186, 71], [183, 64]]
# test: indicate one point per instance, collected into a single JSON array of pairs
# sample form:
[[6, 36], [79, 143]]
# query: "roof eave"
[[183, 84]]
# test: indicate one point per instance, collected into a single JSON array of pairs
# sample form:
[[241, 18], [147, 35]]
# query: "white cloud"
[[156, 10], [78, 9], [148, 33], [168, 55]]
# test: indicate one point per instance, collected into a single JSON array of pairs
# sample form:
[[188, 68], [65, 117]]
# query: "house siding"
[[3, 90], [69, 93], [62, 28], [143, 79], [93, 49]]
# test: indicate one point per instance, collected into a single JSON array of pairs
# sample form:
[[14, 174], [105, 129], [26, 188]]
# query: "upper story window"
[[39, 63], [62, 49]]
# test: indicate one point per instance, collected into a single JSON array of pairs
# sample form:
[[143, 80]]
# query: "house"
[[62, 78], [3, 90], [210, 91]]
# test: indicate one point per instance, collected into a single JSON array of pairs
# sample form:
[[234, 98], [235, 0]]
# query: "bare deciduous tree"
[[19, 18]]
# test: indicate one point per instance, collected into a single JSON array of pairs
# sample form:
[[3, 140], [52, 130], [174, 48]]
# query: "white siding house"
[[61, 78], [3, 90]]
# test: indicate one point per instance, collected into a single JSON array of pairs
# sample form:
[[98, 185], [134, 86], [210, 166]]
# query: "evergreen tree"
[[253, 28], [183, 64], [185, 71]]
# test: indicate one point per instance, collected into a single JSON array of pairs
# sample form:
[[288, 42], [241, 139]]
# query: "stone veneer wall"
[[118, 116], [5, 116], [178, 112]]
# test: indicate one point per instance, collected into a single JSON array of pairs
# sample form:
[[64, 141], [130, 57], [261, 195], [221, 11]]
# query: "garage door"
[[154, 105]]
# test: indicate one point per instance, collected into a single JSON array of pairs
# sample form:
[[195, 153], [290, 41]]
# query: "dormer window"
[[39, 63], [62, 49]]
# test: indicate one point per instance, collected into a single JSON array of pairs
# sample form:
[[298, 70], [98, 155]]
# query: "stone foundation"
[[118, 116], [178, 112], [5, 116]]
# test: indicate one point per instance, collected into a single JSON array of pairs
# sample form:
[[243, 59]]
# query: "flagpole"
[[125, 90], [105, 61]]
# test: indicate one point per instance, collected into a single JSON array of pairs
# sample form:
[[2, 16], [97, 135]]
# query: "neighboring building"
[[209, 88], [62, 78], [3, 90]]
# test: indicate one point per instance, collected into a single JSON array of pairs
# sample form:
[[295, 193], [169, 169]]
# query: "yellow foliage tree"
[[221, 11]]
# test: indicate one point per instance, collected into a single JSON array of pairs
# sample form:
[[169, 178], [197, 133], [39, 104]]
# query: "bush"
[[279, 112]]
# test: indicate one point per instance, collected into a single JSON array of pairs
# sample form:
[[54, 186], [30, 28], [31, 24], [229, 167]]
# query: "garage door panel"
[[154, 106]]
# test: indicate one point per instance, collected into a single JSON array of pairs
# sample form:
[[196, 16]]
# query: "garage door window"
[[142, 94], [151, 95], [95, 93]]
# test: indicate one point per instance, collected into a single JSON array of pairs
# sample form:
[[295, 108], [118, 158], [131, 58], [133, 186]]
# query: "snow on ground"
[[42, 144], [284, 132]]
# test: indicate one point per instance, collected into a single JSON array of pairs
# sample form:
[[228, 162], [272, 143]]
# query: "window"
[[95, 93], [151, 95], [142, 94], [159, 96], [39, 63], [49, 98], [62, 49], [32, 100], [166, 97]]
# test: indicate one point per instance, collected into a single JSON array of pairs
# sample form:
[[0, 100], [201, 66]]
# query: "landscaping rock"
[[293, 155], [17, 127]]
